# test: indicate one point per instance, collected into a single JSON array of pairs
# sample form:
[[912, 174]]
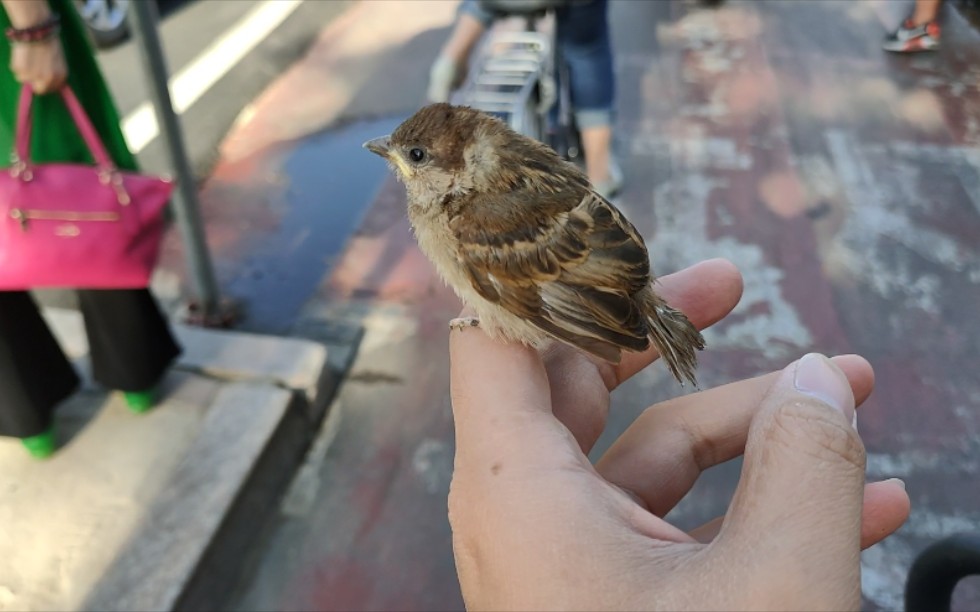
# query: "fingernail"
[[897, 481], [817, 377]]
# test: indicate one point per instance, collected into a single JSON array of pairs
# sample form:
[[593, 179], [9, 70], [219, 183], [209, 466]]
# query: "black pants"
[[130, 346]]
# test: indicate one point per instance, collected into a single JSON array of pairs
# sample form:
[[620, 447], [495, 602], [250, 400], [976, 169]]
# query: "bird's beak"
[[379, 146], [382, 146]]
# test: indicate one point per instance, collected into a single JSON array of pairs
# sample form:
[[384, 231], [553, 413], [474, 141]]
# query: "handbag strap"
[[82, 121]]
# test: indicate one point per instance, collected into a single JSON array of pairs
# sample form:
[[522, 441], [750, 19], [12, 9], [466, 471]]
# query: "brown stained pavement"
[[844, 183]]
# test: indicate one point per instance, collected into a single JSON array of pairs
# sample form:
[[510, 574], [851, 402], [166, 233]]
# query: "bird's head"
[[444, 150]]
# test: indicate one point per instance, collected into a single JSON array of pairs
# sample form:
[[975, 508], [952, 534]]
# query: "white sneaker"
[[610, 187]]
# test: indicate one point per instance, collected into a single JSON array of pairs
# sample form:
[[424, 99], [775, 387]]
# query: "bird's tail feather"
[[675, 337]]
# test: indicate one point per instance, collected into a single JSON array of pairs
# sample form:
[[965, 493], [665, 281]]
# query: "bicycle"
[[522, 77]]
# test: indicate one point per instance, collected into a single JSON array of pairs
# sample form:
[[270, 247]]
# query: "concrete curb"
[[166, 504], [181, 526]]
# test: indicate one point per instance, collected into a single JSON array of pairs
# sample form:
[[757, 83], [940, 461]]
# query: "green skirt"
[[54, 136]]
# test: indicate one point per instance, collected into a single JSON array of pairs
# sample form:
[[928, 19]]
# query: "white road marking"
[[187, 86]]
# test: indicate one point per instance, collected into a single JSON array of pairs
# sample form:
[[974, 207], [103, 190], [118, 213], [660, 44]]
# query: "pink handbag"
[[72, 225]]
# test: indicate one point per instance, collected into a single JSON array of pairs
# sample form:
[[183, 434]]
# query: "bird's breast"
[[439, 244]]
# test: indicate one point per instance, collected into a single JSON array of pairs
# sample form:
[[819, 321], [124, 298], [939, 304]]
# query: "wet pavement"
[[322, 202], [844, 183]]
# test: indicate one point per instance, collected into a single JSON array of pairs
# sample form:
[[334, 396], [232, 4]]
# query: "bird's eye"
[[416, 155]]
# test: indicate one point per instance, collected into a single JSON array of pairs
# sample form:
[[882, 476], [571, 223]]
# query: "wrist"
[[40, 31]]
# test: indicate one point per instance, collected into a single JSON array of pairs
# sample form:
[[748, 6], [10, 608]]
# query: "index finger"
[[502, 404]]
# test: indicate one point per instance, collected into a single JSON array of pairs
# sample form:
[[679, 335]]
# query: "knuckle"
[[809, 426], [465, 528], [458, 512], [456, 502], [706, 450]]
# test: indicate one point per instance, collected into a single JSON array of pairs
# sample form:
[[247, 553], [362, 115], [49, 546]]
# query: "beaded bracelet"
[[44, 30]]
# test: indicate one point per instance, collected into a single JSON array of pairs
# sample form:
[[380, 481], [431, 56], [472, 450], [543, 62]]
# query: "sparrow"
[[525, 241]]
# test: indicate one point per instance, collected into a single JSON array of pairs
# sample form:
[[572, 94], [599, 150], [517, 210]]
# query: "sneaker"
[[910, 38], [139, 402], [610, 187], [42, 445]]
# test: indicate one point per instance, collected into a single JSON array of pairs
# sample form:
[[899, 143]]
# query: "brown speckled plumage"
[[525, 241]]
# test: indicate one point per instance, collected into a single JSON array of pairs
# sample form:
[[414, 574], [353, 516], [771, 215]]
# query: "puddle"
[[332, 181]]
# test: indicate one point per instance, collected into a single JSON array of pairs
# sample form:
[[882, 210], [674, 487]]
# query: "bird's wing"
[[571, 268]]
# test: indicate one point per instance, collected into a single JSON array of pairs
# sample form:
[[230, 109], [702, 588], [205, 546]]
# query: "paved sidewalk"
[[158, 511], [150, 512], [841, 180]]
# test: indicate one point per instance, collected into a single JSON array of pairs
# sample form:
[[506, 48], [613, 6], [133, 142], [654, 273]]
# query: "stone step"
[[155, 511], [289, 362]]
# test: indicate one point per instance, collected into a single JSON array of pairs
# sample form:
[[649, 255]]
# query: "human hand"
[[536, 526], [445, 77], [39, 64]]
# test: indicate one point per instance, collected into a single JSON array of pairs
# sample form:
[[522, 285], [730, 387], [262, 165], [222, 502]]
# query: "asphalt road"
[[841, 181], [188, 28]]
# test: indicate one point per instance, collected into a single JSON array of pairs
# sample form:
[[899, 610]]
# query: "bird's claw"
[[463, 322]]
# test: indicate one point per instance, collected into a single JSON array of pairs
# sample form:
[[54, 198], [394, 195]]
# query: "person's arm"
[[40, 63], [26, 13], [449, 69]]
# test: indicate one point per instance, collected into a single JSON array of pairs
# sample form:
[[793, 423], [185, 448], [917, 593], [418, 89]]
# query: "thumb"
[[798, 503]]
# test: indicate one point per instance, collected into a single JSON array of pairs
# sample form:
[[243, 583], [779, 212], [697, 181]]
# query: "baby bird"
[[525, 241]]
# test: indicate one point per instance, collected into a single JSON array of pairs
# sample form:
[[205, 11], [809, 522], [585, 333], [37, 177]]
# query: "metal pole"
[[185, 203]]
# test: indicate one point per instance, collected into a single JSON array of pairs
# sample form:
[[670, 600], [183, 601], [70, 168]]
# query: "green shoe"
[[42, 445], [140, 401]]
